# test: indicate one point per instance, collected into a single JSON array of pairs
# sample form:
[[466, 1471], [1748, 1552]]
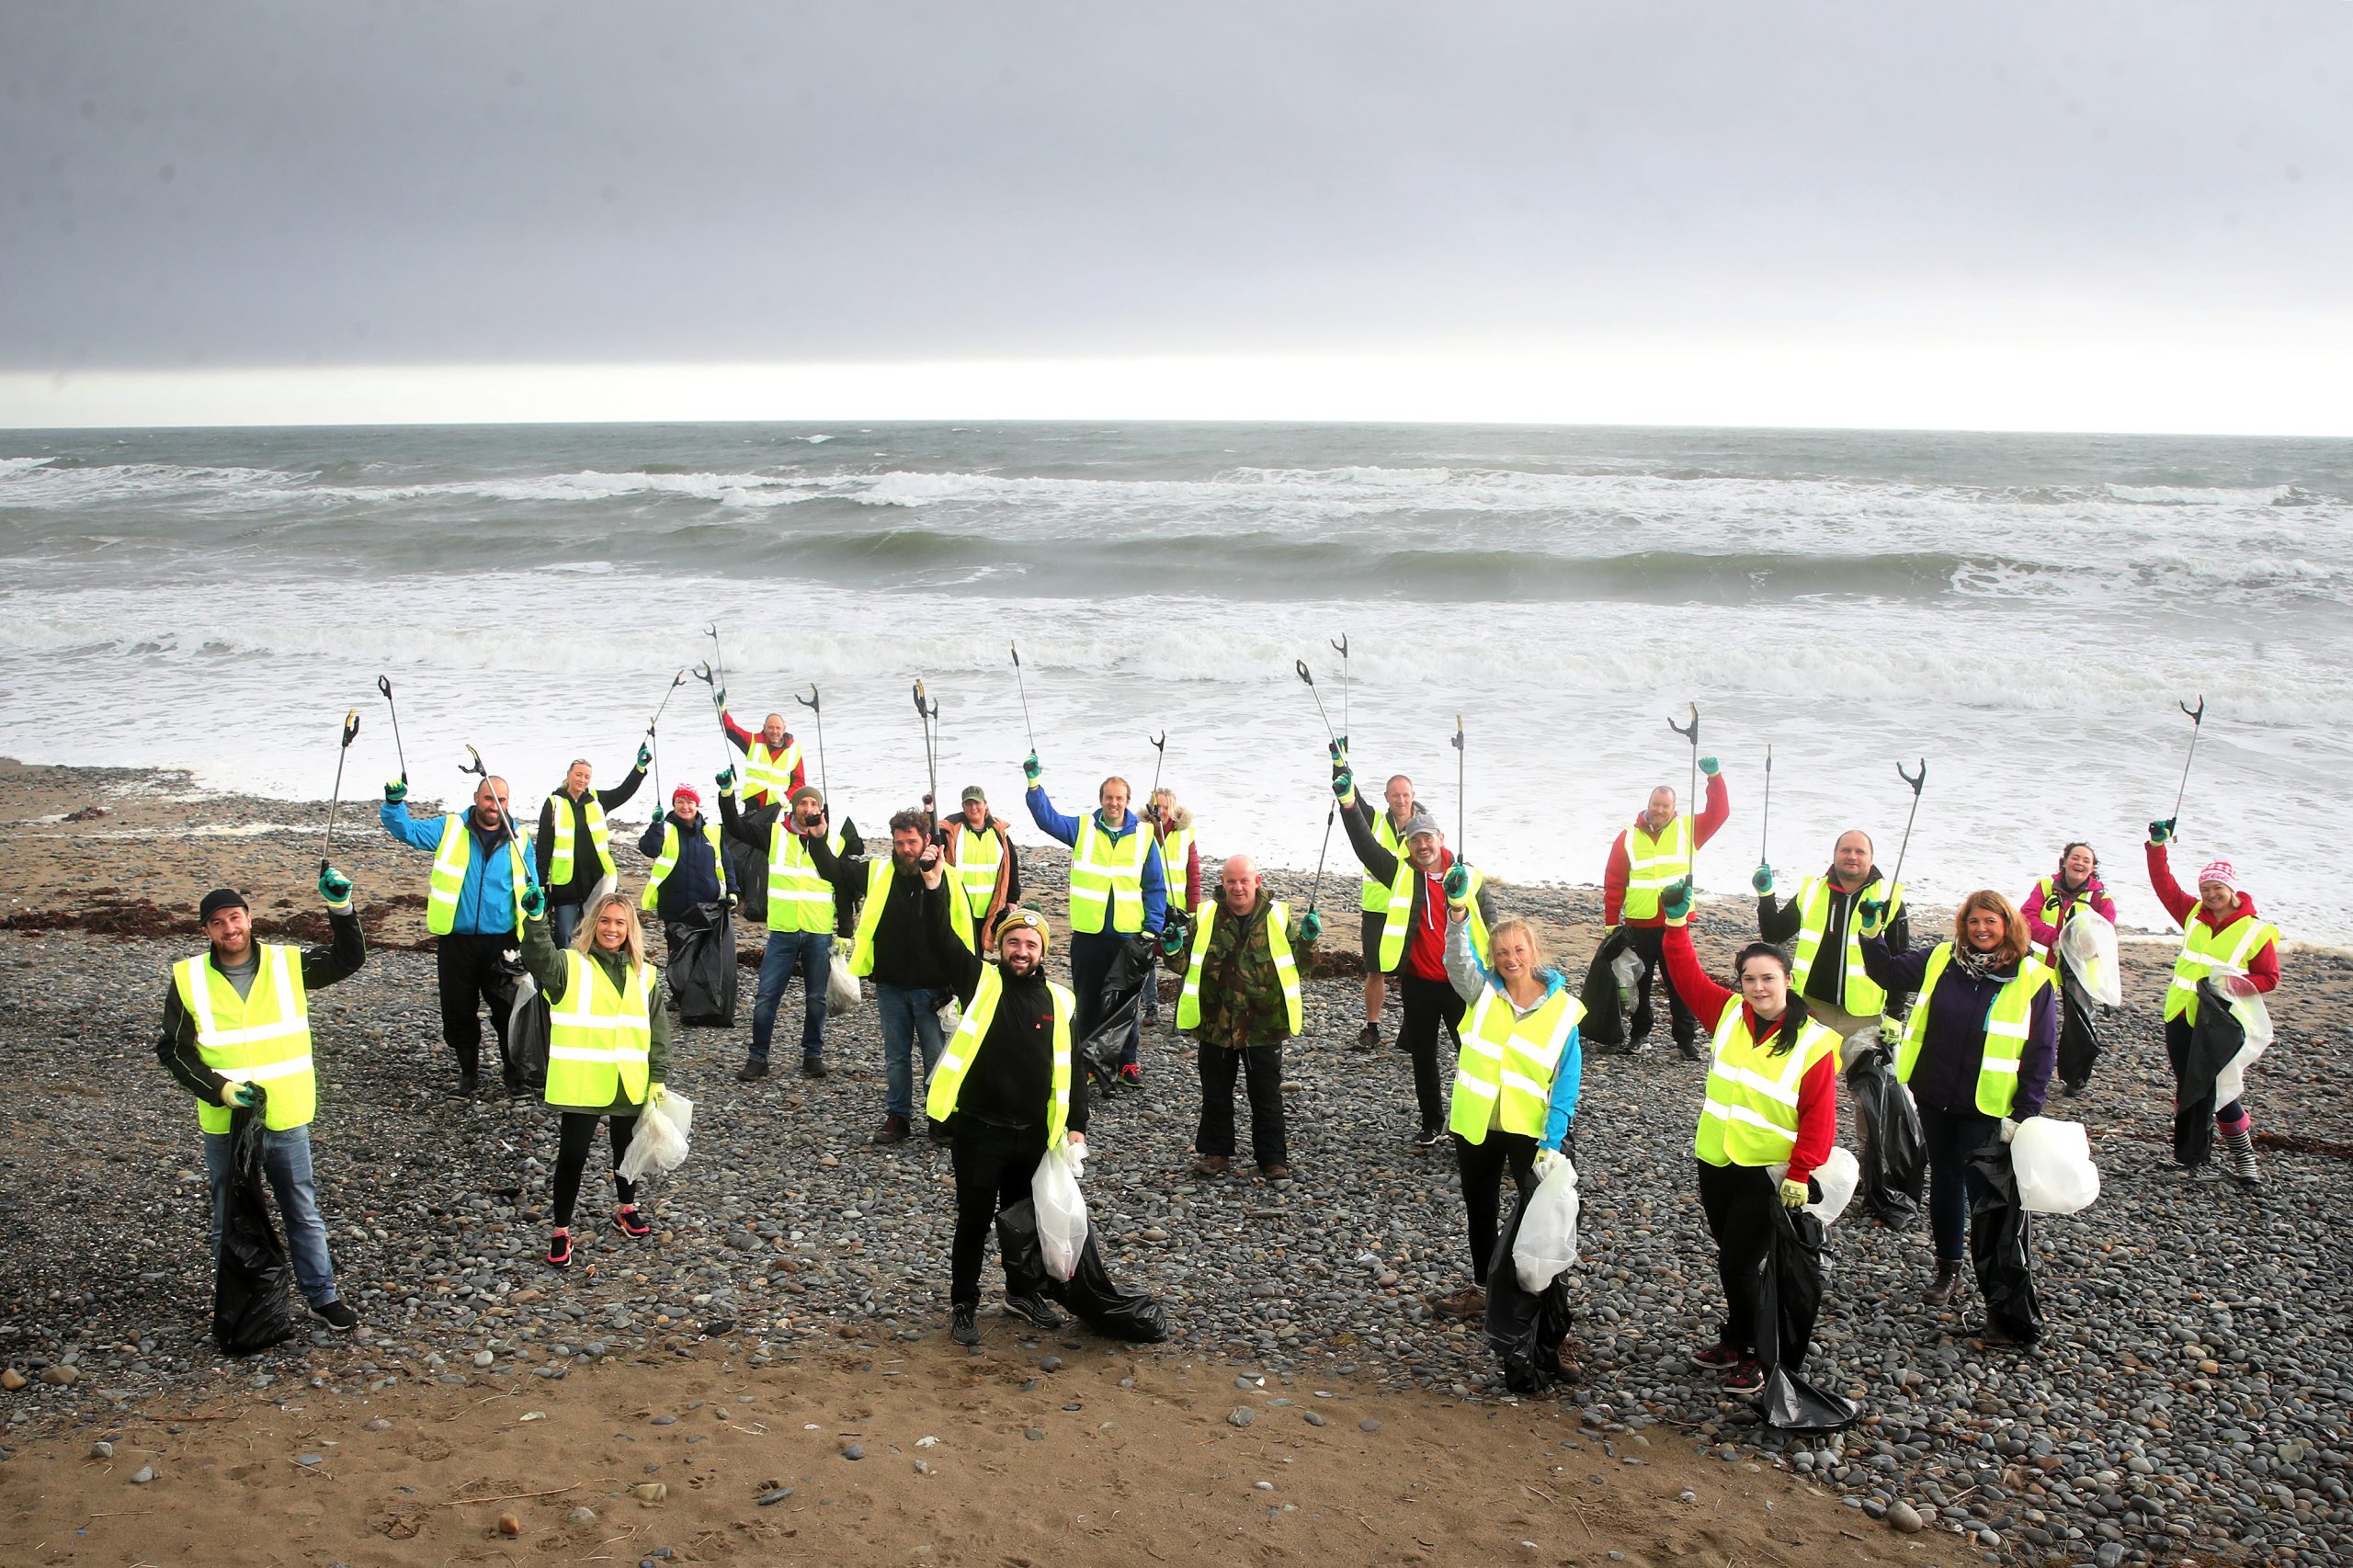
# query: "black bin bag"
[[1786, 1306], [1525, 1328], [1090, 1294], [703, 975], [528, 1028], [2217, 1036], [250, 1308], [747, 878], [1602, 1028], [2001, 1241], [1894, 1154], [2079, 1042], [1135, 966]]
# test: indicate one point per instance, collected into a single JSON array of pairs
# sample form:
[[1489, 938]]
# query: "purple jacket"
[[1945, 1079]]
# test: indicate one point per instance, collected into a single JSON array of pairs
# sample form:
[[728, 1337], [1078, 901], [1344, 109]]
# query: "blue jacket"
[[486, 902], [1469, 977], [1064, 830]]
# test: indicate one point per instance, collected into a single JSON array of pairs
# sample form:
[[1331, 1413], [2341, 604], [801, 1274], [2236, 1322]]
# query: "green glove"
[[726, 778], [2161, 832], [1707, 765], [1794, 1195], [1458, 883], [718, 699], [1311, 925], [234, 1095], [1344, 786], [1339, 750], [395, 791], [1676, 902], [1032, 768], [534, 900], [1761, 880], [1891, 1031], [644, 756], [1874, 912], [334, 886], [1171, 938]]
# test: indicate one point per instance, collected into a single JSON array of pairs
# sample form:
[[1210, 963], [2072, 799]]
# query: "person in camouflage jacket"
[[1244, 1018]]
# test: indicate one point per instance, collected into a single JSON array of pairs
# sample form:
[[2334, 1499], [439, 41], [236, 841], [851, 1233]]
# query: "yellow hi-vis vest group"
[[1397, 915], [600, 1038], [979, 853], [2205, 950], [1278, 918], [263, 1037], [1654, 865], [869, 915], [948, 1078], [2006, 1025], [800, 899], [560, 859], [1384, 832], [1858, 996], [451, 860], [667, 862], [1104, 872], [1750, 1115], [767, 772], [1508, 1064]]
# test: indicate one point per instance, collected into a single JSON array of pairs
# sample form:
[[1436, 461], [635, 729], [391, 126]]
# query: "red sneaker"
[[1746, 1378], [1130, 1073], [1717, 1358], [560, 1250], [631, 1223]]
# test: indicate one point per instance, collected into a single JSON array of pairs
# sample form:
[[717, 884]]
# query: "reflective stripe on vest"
[[979, 853], [600, 1040], [956, 1060], [1278, 918], [767, 772], [263, 1037], [448, 883], [1397, 918], [2007, 1022], [1513, 1059], [870, 916], [667, 861], [1750, 1115], [1858, 994], [1376, 892], [560, 857], [1654, 864], [1176, 849], [799, 899], [2206, 951], [1105, 870]]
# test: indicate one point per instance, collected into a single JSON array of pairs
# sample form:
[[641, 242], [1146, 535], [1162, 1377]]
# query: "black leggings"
[[1481, 1165], [1739, 1202], [572, 1157]]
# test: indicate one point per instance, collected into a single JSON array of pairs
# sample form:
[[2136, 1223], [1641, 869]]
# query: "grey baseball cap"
[[1422, 821]]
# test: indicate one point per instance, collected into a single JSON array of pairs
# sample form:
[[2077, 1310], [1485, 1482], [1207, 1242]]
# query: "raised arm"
[[418, 833], [1717, 814], [1355, 813], [2182, 906], [618, 795], [346, 950], [1776, 921], [1052, 822], [1699, 994]]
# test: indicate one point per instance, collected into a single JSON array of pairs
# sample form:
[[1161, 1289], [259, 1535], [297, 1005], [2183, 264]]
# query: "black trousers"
[[1649, 942], [1261, 1069], [1430, 1004], [1739, 1203], [572, 1158], [1481, 1165], [473, 973], [994, 1168]]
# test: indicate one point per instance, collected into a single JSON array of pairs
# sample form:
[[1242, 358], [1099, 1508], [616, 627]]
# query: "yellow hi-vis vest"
[[1510, 1061], [600, 1038], [1654, 864], [1750, 1115], [2007, 1024], [560, 857], [261, 1038], [1105, 872], [450, 859], [1858, 996], [948, 1078], [1175, 848], [667, 862], [869, 915], [799, 898], [1278, 918], [979, 852], [2205, 950], [1376, 892], [1397, 916], [768, 773]]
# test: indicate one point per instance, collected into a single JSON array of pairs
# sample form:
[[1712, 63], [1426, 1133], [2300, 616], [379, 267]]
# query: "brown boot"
[[892, 1131], [1210, 1165], [1940, 1290]]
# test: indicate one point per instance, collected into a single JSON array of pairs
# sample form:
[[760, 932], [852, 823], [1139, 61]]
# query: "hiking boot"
[[892, 1131], [560, 1250], [1034, 1307], [1210, 1165], [1368, 1037], [813, 1067], [469, 1080], [1273, 1172], [631, 1223], [1940, 1290], [1717, 1358], [962, 1327], [753, 1070], [2240, 1147], [1470, 1302], [336, 1315], [1746, 1378]]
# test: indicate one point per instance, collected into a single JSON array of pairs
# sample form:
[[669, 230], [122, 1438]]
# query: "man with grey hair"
[[574, 853]]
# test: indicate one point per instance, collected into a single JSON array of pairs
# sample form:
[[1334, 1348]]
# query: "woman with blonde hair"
[[608, 1045], [1977, 1051]]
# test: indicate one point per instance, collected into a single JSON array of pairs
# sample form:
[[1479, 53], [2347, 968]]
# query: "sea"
[[2023, 615]]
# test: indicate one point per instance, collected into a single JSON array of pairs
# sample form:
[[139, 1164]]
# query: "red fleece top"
[[744, 739], [1717, 812], [2263, 968], [1426, 949], [1817, 1093]]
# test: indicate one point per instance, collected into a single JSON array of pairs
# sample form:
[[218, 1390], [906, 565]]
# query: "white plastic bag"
[[2087, 944], [659, 1143], [1547, 1242], [2052, 1161], [1837, 1176], [2255, 1017], [842, 994], [1062, 1209], [1628, 967]]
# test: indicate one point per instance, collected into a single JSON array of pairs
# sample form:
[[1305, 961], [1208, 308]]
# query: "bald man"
[[772, 763], [1826, 966], [479, 866]]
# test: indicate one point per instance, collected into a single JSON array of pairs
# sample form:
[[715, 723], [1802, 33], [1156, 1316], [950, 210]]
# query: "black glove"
[[852, 843]]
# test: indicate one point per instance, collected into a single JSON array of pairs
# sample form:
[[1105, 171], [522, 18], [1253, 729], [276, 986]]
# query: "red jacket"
[[2263, 968], [1817, 1094], [1426, 947], [1613, 880], [744, 739]]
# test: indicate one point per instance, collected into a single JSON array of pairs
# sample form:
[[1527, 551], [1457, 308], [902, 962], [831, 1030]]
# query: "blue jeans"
[[810, 953], [564, 919], [910, 1014], [286, 1161], [1951, 1137]]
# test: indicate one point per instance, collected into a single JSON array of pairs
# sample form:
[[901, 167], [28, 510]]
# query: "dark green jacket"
[[1242, 991]]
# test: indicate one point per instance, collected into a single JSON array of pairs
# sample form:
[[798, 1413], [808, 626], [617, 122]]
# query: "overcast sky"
[[268, 186]]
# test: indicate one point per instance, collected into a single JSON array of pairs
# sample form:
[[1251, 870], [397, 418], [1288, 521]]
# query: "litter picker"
[[384, 684], [350, 728], [816, 706], [1690, 832], [2196, 723]]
